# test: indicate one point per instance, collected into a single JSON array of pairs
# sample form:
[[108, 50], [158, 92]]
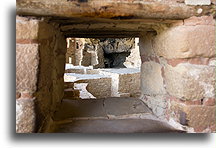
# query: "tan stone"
[[187, 81], [151, 79], [201, 118], [26, 29], [27, 60], [145, 44], [186, 42], [203, 20], [25, 115], [158, 104]]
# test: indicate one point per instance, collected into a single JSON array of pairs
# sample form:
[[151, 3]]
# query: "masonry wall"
[[40, 59], [178, 72]]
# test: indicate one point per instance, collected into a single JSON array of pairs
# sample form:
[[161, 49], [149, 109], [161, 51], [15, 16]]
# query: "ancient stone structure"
[[102, 83], [103, 52], [177, 48]]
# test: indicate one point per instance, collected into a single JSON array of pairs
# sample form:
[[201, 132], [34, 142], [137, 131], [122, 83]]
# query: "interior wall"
[[178, 72], [40, 64]]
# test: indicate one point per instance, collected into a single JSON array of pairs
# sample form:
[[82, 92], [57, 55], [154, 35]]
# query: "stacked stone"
[[27, 59], [37, 84], [178, 72]]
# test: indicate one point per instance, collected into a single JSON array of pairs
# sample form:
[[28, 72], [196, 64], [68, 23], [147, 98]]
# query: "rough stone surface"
[[39, 41], [158, 105], [189, 81], [186, 42], [26, 29], [151, 79], [124, 80], [123, 106], [134, 60], [27, 60], [115, 126], [107, 9], [111, 45], [201, 118], [25, 115], [108, 108]]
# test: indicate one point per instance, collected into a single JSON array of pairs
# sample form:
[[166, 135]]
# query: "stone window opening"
[[177, 76], [102, 67]]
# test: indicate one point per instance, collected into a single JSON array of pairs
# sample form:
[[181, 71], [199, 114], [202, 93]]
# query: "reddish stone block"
[[197, 60], [185, 42], [26, 95], [209, 102], [199, 117], [26, 41]]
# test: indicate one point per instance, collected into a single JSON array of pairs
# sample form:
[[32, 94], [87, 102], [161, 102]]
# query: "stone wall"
[[178, 72], [71, 48], [40, 59], [103, 52]]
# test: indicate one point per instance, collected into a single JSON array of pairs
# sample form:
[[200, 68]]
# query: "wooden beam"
[[112, 9]]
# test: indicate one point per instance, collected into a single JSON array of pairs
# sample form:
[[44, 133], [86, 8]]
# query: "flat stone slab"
[[80, 108], [121, 70], [100, 108], [115, 126], [123, 106]]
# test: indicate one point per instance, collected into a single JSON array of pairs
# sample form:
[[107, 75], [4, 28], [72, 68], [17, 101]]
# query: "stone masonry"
[[176, 44], [40, 58], [178, 72]]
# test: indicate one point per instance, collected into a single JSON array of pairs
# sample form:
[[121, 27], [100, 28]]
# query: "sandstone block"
[[26, 29], [209, 102], [25, 115], [186, 42], [197, 2], [187, 81], [145, 44], [199, 117], [158, 104], [151, 79], [203, 20], [27, 60]]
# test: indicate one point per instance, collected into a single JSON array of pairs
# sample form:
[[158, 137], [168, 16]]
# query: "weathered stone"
[[200, 117], [203, 20], [26, 95], [209, 102], [107, 9], [197, 2], [187, 81], [26, 29], [124, 80], [80, 108], [134, 60], [111, 45], [146, 44], [27, 60], [151, 79], [186, 42], [25, 115], [158, 104]]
